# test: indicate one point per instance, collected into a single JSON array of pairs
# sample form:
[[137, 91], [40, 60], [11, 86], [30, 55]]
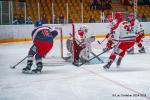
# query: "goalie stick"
[[97, 57], [93, 57], [101, 41], [91, 51]]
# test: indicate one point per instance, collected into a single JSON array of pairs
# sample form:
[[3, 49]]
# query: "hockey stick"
[[76, 39], [101, 41], [14, 66], [92, 58], [100, 44], [91, 51], [97, 57]]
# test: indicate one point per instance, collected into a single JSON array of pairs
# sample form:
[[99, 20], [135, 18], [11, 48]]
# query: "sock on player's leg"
[[38, 63]]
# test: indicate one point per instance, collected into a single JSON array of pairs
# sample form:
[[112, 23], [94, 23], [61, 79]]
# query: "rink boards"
[[17, 33]]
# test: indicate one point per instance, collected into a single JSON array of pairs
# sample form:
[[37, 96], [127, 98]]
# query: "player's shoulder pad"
[[52, 29], [41, 27]]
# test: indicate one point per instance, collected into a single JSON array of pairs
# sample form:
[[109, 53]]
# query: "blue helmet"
[[38, 23]]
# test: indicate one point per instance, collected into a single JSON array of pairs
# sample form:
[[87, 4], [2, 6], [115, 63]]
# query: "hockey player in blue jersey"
[[42, 37]]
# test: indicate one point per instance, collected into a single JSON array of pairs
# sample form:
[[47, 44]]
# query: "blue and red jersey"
[[44, 33]]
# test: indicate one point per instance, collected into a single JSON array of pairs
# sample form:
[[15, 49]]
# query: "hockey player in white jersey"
[[136, 28], [109, 35], [82, 44], [85, 39], [123, 37]]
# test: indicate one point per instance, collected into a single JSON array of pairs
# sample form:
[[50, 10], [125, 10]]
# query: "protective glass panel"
[[19, 12], [0, 12], [74, 11], [32, 11], [5, 12], [59, 12]]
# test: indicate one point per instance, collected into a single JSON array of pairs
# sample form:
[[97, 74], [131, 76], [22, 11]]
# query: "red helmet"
[[109, 18], [131, 14], [118, 15]]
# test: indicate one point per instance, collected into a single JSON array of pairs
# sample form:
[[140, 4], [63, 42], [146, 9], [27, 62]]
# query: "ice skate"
[[106, 67], [77, 63], [142, 50], [119, 61], [38, 69], [130, 51], [27, 69]]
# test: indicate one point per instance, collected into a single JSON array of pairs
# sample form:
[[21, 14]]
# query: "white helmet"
[[84, 28]]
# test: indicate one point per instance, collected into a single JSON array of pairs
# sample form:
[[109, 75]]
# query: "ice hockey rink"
[[61, 80]]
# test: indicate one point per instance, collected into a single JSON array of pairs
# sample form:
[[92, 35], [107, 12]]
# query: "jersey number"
[[45, 33]]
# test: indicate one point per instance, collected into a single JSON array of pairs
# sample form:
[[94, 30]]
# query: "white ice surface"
[[89, 82]]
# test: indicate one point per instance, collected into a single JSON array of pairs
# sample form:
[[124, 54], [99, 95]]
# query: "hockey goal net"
[[59, 50]]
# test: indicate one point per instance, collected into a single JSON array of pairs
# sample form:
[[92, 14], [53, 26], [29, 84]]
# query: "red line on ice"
[[115, 82]]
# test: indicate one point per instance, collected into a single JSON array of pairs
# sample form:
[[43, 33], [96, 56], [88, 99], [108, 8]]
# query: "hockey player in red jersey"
[[109, 35], [42, 37], [137, 29], [124, 40]]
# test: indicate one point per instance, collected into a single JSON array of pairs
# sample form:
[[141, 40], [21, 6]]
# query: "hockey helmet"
[[109, 18], [118, 15], [84, 28], [131, 15], [38, 23]]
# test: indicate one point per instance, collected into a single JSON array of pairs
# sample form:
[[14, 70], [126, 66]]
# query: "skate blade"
[[32, 72], [130, 53], [27, 72], [142, 52], [106, 69]]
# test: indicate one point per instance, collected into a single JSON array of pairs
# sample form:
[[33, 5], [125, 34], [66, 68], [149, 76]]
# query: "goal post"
[[60, 35], [73, 44], [59, 49]]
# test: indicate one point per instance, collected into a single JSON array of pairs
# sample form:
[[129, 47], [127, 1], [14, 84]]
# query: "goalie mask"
[[84, 28]]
